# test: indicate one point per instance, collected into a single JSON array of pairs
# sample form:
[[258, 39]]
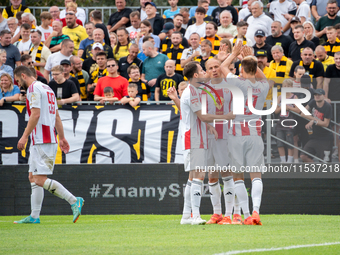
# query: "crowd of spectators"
[[82, 58]]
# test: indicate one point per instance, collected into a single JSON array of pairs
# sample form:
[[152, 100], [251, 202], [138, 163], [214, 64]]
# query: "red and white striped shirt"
[[42, 96], [193, 130]]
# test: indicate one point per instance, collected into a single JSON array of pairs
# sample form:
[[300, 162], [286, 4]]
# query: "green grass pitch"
[[162, 234]]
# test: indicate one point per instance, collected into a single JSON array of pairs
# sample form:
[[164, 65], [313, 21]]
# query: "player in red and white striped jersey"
[[245, 142], [43, 118]]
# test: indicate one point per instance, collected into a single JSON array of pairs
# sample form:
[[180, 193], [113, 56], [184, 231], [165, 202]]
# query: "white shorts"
[[217, 153], [195, 159], [42, 158], [245, 153]]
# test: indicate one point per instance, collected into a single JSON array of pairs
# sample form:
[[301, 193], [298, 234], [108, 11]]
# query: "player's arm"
[[212, 131], [172, 93], [226, 63], [31, 124], [63, 144], [208, 118]]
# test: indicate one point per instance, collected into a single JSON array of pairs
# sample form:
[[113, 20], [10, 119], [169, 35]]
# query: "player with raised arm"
[[44, 118], [245, 142]]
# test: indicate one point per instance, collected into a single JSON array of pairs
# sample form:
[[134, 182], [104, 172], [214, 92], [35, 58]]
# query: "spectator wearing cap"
[[300, 43], [199, 26], [260, 39], [328, 20], [155, 20], [67, 47], [210, 34], [333, 43], [224, 5], [76, 32], [38, 51], [96, 74], [96, 18], [283, 11], [90, 64], [14, 8], [277, 38], [322, 56], [54, 40], [258, 20], [65, 90], [320, 140], [313, 67], [66, 64], [98, 38], [131, 59], [207, 18], [227, 29], [80, 12], [120, 18], [242, 28], [295, 21], [168, 30], [175, 51]]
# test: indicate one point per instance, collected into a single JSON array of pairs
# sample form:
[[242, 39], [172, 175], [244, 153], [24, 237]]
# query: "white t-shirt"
[[262, 22], [24, 46], [194, 28], [42, 96], [193, 130], [278, 9], [45, 32], [241, 124], [304, 11], [189, 51], [133, 32], [80, 15], [143, 15], [54, 60], [243, 13]]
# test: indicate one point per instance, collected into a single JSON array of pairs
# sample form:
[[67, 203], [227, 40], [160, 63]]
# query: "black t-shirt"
[[320, 113], [76, 82], [117, 16], [142, 92], [88, 53], [164, 82], [68, 88], [106, 32], [42, 79], [315, 40], [88, 63], [295, 50], [267, 48], [334, 85], [283, 40], [314, 70], [206, 19], [123, 65], [217, 11]]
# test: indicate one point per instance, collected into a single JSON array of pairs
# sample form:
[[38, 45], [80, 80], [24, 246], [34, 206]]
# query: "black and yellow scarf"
[[38, 55], [311, 66], [281, 69], [215, 44], [81, 81], [243, 43]]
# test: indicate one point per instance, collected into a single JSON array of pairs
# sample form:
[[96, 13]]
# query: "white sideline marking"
[[278, 249]]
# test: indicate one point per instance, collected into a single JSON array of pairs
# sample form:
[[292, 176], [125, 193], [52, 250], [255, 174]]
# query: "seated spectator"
[[321, 55], [210, 31], [260, 44], [186, 16], [224, 5], [81, 75], [277, 38], [310, 33], [118, 83], [76, 32], [146, 30], [113, 39], [295, 21], [26, 60], [108, 96], [131, 59], [14, 8], [3, 22], [133, 98], [333, 43], [38, 51], [245, 12], [199, 26], [55, 12], [170, 13], [167, 80], [13, 54], [300, 43], [194, 51], [178, 21], [143, 87], [96, 19], [72, 7], [67, 47], [65, 90], [90, 64], [281, 65], [8, 91], [168, 30], [242, 28], [96, 74], [227, 29], [328, 20], [89, 27], [25, 44], [155, 20], [12, 25], [206, 48], [56, 37], [135, 26], [27, 18], [80, 12], [66, 64], [45, 28], [98, 38], [119, 18], [207, 18], [123, 45], [175, 51], [3, 67], [141, 54], [299, 71]]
